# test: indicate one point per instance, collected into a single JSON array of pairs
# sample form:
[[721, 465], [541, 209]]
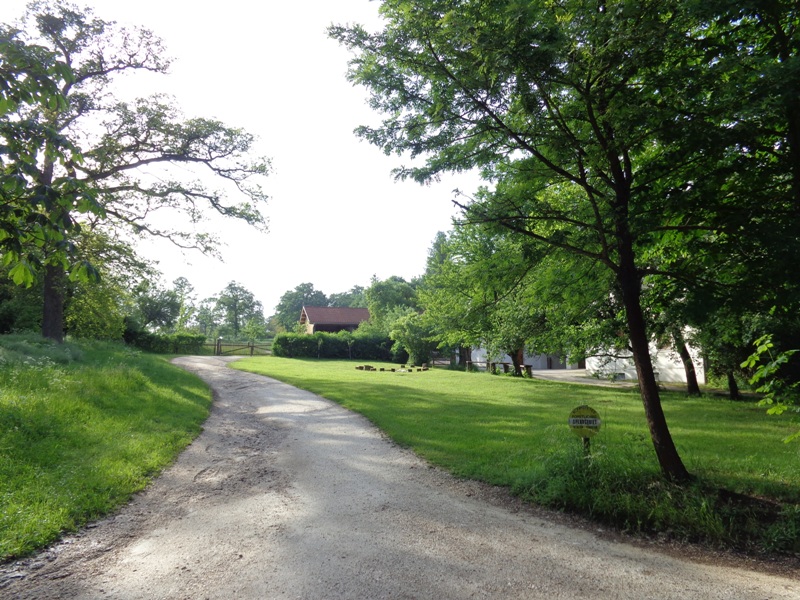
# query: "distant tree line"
[[142, 311]]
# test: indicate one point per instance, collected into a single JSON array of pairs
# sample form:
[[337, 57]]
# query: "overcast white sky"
[[336, 215]]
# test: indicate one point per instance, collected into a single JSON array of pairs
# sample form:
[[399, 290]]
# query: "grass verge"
[[82, 427], [513, 432]]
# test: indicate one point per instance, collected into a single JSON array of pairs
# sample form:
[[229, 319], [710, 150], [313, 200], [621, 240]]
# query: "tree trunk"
[[668, 458], [464, 355], [54, 277], [518, 358], [733, 387], [692, 387], [53, 312]]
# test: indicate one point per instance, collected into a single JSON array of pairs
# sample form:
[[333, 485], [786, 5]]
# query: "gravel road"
[[288, 495]]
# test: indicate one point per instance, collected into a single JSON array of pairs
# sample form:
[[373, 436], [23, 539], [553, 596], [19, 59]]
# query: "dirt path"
[[287, 495]]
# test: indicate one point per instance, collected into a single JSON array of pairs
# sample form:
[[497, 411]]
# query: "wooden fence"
[[220, 348]]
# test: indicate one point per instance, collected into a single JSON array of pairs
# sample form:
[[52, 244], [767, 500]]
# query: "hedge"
[[337, 345], [176, 343]]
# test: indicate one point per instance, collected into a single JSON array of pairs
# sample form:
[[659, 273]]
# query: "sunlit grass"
[[80, 434], [513, 432]]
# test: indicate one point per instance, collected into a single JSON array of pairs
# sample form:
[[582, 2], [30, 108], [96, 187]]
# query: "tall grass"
[[513, 432], [82, 427]]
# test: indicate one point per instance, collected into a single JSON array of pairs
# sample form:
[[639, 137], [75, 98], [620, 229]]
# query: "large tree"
[[105, 308], [388, 300], [756, 44], [593, 122], [488, 287], [287, 312], [354, 298], [157, 308], [129, 147], [33, 214], [184, 291], [239, 308]]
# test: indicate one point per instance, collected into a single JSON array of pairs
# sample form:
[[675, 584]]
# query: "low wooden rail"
[[220, 348], [493, 366]]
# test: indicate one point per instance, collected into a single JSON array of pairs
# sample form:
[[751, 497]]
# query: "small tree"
[[412, 335], [779, 394]]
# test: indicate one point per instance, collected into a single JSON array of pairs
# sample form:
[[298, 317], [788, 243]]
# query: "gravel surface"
[[288, 495]]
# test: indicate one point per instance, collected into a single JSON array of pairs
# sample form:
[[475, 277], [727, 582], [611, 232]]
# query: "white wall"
[[537, 361], [666, 363]]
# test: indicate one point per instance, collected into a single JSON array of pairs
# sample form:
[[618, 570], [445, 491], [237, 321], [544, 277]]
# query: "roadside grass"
[[83, 426], [513, 432]]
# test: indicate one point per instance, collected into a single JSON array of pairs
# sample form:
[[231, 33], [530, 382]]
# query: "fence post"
[[251, 348], [218, 349]]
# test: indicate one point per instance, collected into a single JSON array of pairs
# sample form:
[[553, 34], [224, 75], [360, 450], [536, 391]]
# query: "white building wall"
[[536, 361], [666, 363]]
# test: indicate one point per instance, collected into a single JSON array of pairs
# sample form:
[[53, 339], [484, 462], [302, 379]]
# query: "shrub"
[[342, 345], [175, 343]]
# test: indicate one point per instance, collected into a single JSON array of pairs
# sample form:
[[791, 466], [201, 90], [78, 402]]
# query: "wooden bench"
[[492, 366]]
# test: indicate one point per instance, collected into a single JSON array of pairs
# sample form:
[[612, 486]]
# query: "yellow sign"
[[584, 421]]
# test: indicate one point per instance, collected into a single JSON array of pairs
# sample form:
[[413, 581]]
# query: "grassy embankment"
[[82, 427], [513, 432]]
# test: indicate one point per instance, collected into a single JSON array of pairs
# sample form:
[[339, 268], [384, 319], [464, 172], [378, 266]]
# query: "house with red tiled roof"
[[332, 319]]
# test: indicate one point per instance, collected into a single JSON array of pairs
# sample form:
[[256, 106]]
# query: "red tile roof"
[[326, 315]]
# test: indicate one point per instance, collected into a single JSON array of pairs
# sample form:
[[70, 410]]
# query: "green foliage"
[[240, 310], [156, 307], [163, 343], [97, 309], [388, 300], [658, 142], [501, 292], [184, 292], [233, 314], [354, 298], [83, 427], [95, 314], [779, 394], [609, 486], [412, 335], [35, 211], [255, 328], [287, 312], [20, 307], [292, 345], [342, 345]]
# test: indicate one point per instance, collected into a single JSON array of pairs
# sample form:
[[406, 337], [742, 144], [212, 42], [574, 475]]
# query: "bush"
[[294, 345], [342, 345], [175, 343]]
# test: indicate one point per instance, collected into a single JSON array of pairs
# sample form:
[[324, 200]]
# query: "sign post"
[[585, 423]]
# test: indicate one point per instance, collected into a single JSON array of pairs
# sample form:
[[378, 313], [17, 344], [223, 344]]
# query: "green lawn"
[[82, 427], [513, 432]]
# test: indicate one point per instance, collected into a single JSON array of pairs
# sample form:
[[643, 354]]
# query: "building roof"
[[326, 315]]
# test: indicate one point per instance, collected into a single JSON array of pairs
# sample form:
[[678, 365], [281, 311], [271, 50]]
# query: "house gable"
[[332, 319]]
